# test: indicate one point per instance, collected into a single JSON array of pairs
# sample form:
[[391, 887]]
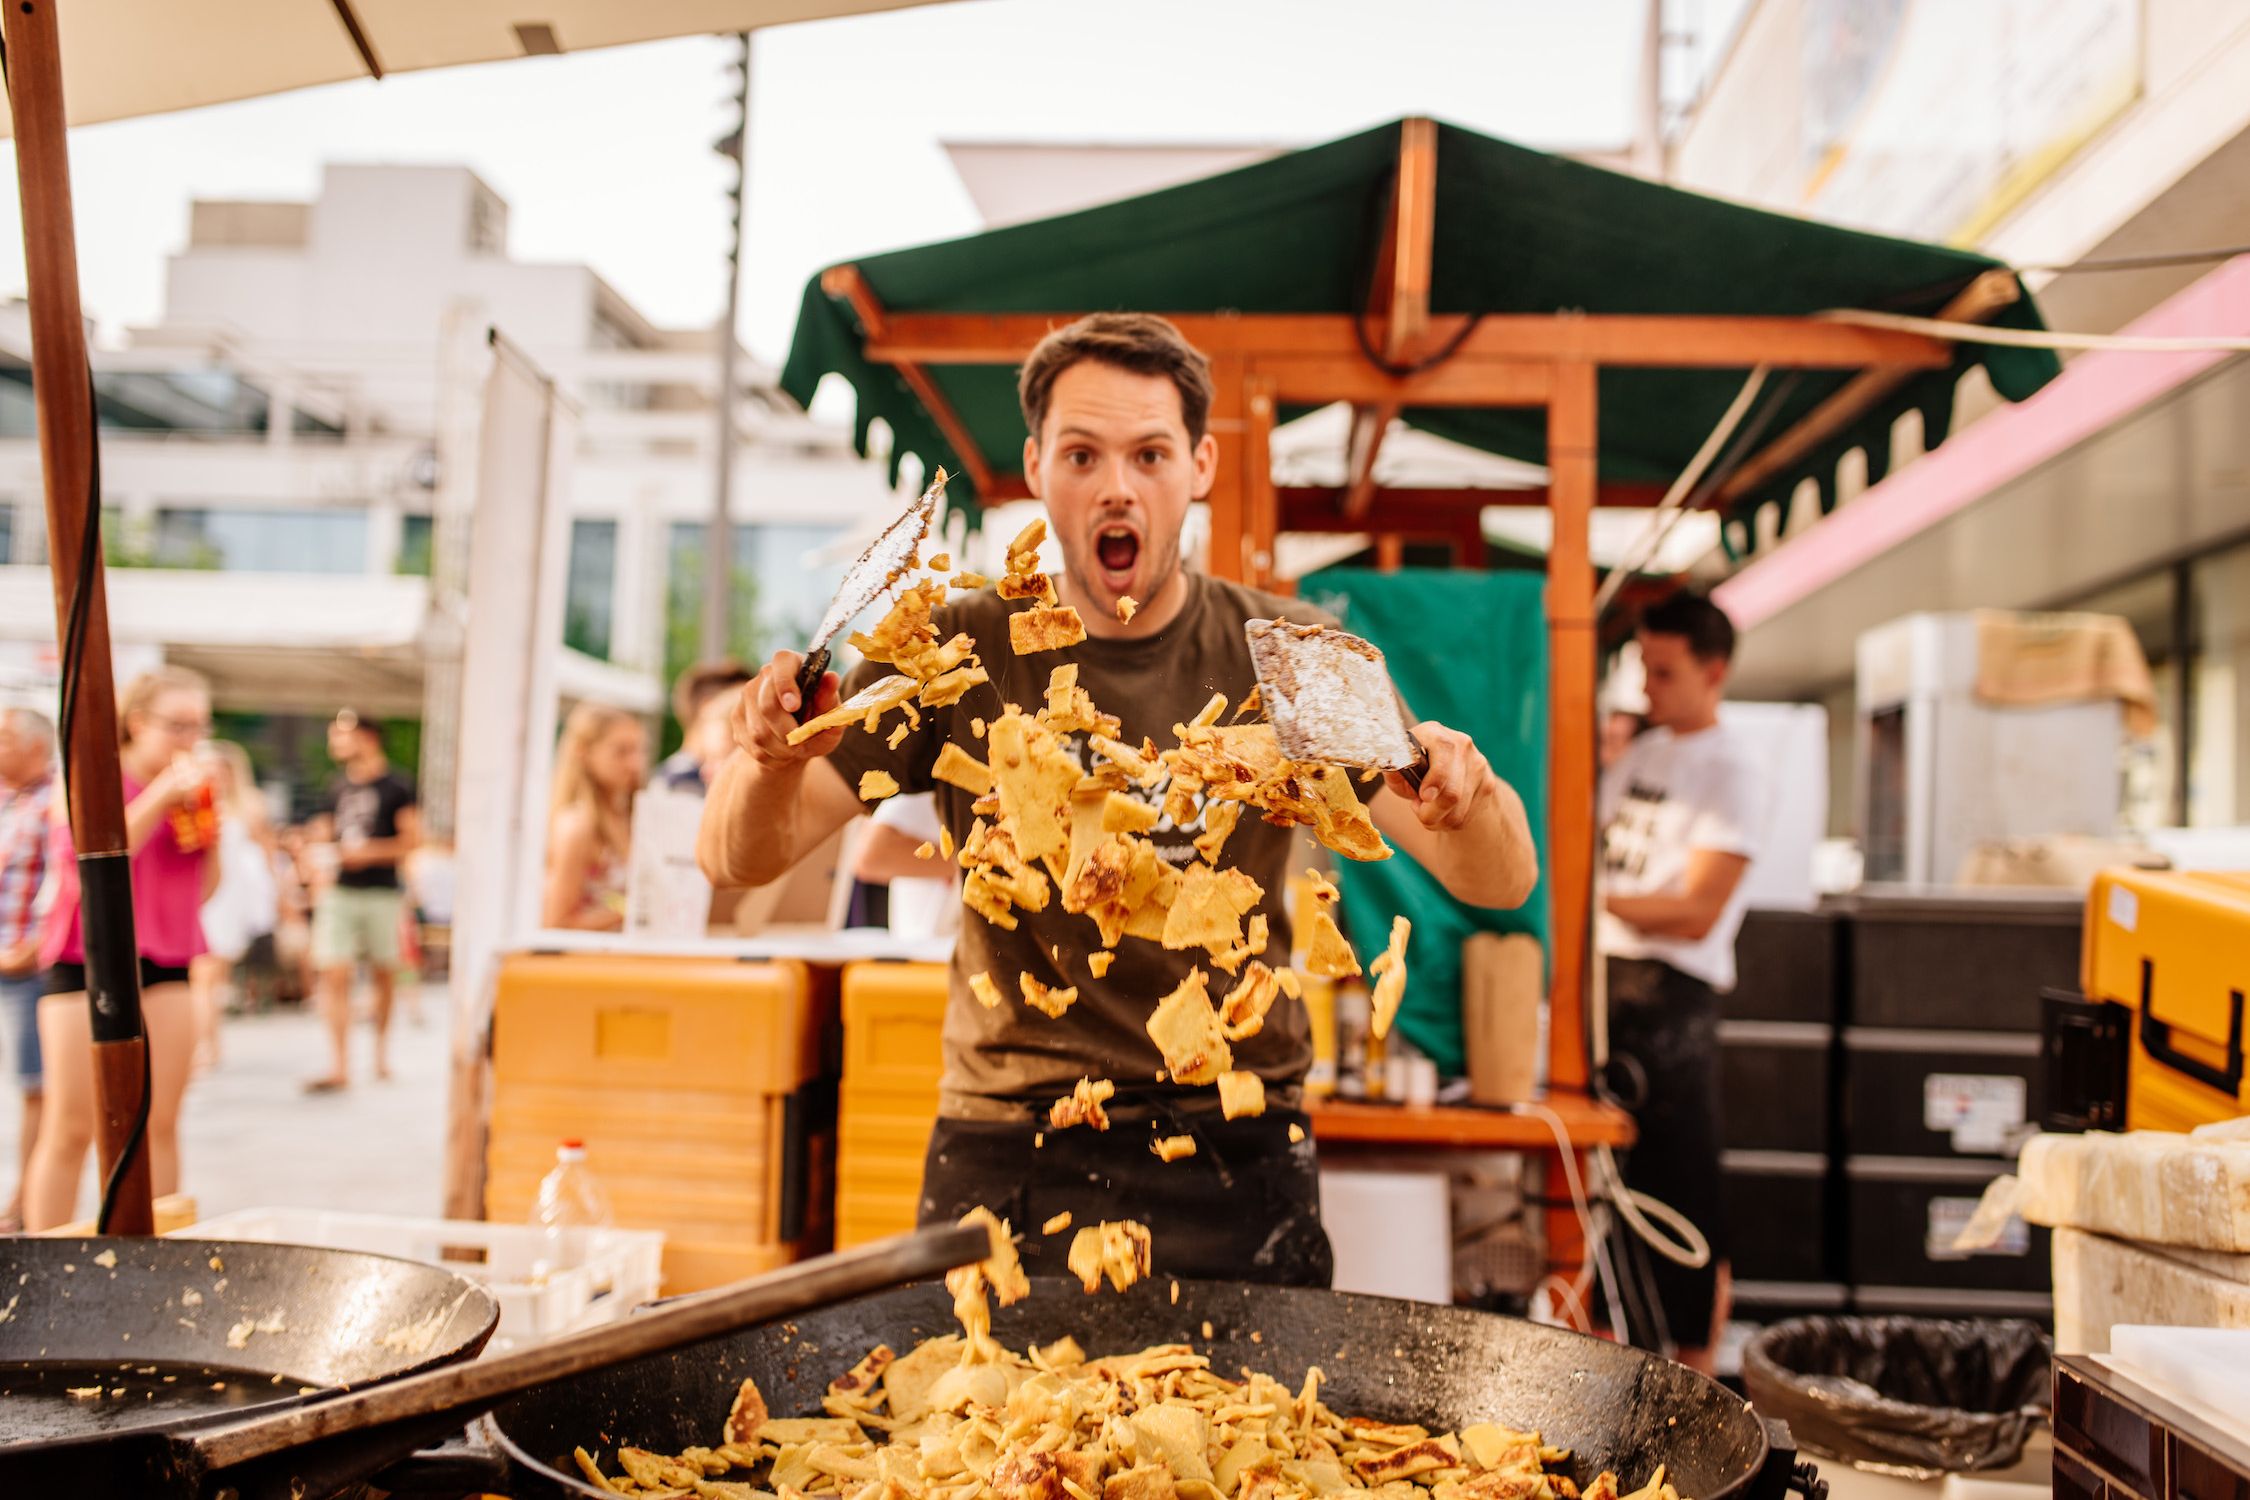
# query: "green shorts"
[[351, 923]]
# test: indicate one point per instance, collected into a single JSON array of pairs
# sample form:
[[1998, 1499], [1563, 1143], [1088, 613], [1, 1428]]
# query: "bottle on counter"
[[1354, 1016], [570, 1207]]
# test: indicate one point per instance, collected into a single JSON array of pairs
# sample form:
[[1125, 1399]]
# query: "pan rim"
[[488, 1428]]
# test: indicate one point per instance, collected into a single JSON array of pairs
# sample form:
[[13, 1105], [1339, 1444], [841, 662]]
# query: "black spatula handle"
[[1413, 772], [808, 681]]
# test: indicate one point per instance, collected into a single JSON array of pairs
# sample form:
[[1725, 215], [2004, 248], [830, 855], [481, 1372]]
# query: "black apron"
[[1245, 1207]]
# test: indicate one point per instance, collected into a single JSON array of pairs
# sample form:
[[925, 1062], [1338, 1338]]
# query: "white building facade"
[[283, 451]]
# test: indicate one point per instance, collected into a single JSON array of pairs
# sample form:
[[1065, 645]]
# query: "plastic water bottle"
[[570, 1208]]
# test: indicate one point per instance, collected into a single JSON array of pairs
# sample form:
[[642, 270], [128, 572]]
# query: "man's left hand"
[[1458, 777]]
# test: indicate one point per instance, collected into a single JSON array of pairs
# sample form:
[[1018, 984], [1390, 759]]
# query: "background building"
[[285, 450]]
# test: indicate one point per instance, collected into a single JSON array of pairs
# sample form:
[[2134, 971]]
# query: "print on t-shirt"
[[1633, 832]]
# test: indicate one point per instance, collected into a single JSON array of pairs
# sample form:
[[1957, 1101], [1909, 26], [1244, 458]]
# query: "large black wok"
[[151, 1329], [1615, 1407]]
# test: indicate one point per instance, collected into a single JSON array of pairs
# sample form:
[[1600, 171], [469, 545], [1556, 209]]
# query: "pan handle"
[[470, 1464], [808, 681], [1784, 1473], [464, 1390]]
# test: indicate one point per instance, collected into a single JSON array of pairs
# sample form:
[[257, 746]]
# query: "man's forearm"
[[1665, 916], [1489, 861], [748, 836]]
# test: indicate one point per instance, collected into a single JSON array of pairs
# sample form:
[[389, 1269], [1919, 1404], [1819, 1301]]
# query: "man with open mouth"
[[1116, 407]]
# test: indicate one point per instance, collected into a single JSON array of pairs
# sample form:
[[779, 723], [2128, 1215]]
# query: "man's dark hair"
[[1705, 627], [702, 682], [1140, 342], [367, 724]]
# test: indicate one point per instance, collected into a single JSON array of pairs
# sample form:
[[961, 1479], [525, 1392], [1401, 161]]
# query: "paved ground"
[[251, 1138]]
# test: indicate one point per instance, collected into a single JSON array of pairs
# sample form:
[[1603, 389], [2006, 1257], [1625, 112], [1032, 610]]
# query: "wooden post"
[[1261, 506], [1229, 424], [62, 385], [1571, 480]]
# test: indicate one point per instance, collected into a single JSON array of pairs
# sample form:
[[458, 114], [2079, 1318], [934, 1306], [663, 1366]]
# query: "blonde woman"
[[171, 828], [246, 905], [600, 764]]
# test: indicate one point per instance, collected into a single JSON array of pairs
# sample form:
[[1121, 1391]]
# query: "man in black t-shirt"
[[367, 826]]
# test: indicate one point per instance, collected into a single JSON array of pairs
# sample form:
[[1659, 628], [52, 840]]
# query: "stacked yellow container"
[[698, 1087]]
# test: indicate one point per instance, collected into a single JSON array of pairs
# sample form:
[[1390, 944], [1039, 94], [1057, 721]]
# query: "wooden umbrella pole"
[[62, 385]]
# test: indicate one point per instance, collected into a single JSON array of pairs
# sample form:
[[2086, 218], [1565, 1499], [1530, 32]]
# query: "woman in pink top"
[[162, 716]]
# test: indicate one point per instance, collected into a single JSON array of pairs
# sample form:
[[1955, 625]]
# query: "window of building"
[[417, 546], [588, 596], [262, 541]]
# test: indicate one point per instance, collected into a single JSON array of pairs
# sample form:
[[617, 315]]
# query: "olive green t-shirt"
[[999, 1060]]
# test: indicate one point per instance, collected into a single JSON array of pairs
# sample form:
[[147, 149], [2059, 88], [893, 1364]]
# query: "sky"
[[605, 157]]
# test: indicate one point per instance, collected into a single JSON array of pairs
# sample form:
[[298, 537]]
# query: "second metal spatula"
[[1330, 698], [869, 577]]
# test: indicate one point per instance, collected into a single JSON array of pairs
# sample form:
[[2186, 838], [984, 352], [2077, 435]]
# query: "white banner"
[[519, 551]]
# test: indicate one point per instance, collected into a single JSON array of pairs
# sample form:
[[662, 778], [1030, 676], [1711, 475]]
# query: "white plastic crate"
[[623, 1266]]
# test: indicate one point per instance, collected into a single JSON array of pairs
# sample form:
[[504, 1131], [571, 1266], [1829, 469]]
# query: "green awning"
[[1516, 231]]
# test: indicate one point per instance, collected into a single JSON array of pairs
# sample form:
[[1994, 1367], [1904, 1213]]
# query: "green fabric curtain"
[[1470, 651], [1516, 231]]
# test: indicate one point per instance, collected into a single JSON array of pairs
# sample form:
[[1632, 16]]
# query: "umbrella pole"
[[62, 384]]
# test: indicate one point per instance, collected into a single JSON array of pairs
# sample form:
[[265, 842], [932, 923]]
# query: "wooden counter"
[[1585, 1122]]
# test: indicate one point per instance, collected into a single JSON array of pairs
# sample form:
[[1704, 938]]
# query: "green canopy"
[[1516, 231]]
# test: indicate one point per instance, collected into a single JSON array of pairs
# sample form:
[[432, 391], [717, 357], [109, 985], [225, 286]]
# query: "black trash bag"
[[1914, 1396]]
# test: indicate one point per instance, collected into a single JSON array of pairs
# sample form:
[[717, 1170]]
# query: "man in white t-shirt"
[[1680, 813]]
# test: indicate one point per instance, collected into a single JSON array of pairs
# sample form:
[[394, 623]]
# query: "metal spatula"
[[868, 578], [1330, 699]]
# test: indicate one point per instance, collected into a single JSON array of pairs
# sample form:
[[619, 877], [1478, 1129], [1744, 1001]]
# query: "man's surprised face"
[[1116, 469]]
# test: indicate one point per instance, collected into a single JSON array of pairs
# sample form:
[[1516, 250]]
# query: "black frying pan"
[[1615, 1407], [151, 1330], [336, 1305]]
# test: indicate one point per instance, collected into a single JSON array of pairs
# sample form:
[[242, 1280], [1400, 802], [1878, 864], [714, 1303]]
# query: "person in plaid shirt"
[[27, 784]]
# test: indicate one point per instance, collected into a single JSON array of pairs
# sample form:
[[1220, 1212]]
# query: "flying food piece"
[[1045, 998], [1209, 714], [1389, 970], [1049, 628], [941, 562], [1261, 933], [967, 580], [1218, 823], [1243, 763], [1057, 1224], [1027, 540], [1037, 587], [1243, 1013], [1208, 911], [981, 895], [1142, 765], [1173, 1147], [1000, 1272], [1296, 1135], [1033, 774], [899, 734], [1098, 962], [926, 849], [1123, 814], [1070, 709], [945, 843], [987, 993], [1322, 888], [1291, 985], [1118, 1251], [1241, 1095], [1253, 702], [1082, 1105], [1327, 955], [874, 786], [1186, 1030], [869, 703], [1127, 607], [947, 689], [957, 767]]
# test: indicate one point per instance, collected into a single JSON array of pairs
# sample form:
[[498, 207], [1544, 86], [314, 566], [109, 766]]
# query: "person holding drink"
[[172, 832]]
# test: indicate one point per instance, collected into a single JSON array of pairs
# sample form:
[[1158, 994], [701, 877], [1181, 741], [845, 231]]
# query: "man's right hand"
[[768, 714]]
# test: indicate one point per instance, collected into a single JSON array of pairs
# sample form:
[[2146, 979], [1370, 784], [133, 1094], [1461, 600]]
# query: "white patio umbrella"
[[122, 58]]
